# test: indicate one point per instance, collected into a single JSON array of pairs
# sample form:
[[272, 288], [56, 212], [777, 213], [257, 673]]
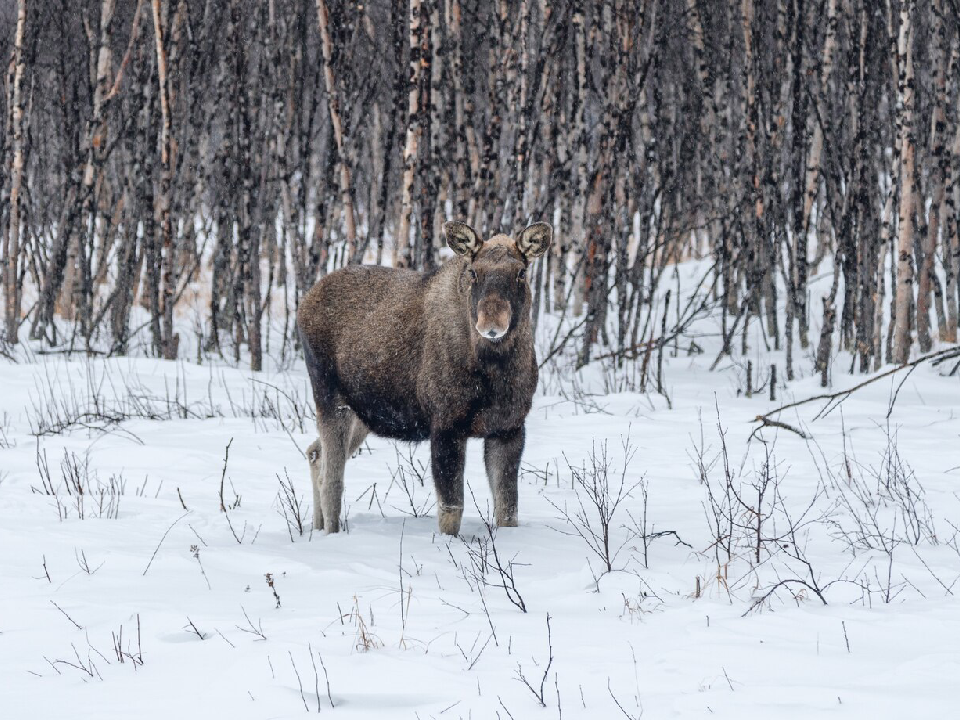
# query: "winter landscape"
[[731, 233], [674, 558]]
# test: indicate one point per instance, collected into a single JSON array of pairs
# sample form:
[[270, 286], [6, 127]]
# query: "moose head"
[[495, 275]]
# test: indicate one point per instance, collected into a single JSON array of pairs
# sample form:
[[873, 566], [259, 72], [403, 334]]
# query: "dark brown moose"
[[444, 355]]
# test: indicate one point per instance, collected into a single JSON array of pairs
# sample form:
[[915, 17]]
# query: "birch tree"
[[334, 104], [12, 276], [248, 148], [905, 231], [401, 253]]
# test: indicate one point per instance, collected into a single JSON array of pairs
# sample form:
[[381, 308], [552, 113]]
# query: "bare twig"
[[75, 623], [252, 629], [522, 678], [622, 709], [326, 677], [297, 673], [162, 539], [194, 630], [273, 587], [223, 475]]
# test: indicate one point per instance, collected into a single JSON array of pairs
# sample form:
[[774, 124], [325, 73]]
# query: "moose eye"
[[522, 274]]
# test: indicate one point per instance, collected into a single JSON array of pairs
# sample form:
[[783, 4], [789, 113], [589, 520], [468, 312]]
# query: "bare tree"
[[333, 105], [401, 253], [252, 147], [905, 234], [167, 149], [12, 278]]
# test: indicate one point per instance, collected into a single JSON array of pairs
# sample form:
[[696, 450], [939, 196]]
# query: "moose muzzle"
[[493, 318]]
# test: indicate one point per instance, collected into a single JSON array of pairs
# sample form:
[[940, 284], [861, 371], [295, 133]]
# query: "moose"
[[444, 356]]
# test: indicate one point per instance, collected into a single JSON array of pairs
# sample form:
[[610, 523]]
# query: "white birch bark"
[[334, 106], [401, 247], [903, 341], [12, 255], [168, 259]]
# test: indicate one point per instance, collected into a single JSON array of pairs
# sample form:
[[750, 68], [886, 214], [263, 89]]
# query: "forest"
[[222, 155]]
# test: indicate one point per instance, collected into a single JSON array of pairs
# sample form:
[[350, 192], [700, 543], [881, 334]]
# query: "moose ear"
[[534, 240], [462, 238]]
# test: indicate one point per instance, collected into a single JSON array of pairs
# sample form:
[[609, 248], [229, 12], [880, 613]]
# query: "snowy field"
[[147, 571]]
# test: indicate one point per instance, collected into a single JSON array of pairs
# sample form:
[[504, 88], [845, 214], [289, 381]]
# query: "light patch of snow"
[[398, 617]]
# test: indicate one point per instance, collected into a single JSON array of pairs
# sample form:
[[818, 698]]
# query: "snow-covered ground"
[[157, 604]]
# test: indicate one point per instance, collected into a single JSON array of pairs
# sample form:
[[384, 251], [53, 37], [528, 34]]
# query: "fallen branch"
[[834, 399], [767, 422]]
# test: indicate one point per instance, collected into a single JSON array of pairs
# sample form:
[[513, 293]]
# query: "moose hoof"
[[510, 521], [450, 520]]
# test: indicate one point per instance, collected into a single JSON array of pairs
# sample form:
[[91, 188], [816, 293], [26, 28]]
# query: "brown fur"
[[400, 354]]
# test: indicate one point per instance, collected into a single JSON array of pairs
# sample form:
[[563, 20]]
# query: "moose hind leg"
[[335, 432], [501, 455], [315, 458]]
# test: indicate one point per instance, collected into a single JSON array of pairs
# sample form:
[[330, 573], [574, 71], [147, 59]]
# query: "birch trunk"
[[11, 282], [401, 248], [579, 144], [927, 281], [430, 132], [461, 177], [517, 213], [812, 178], [902, 341], [951, 242], [334, 106]]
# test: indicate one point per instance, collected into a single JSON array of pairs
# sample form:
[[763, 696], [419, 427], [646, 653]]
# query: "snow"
[[402, 625]]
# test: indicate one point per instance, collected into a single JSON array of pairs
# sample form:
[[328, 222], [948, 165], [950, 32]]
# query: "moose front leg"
[[447, 455], [501, 454]]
